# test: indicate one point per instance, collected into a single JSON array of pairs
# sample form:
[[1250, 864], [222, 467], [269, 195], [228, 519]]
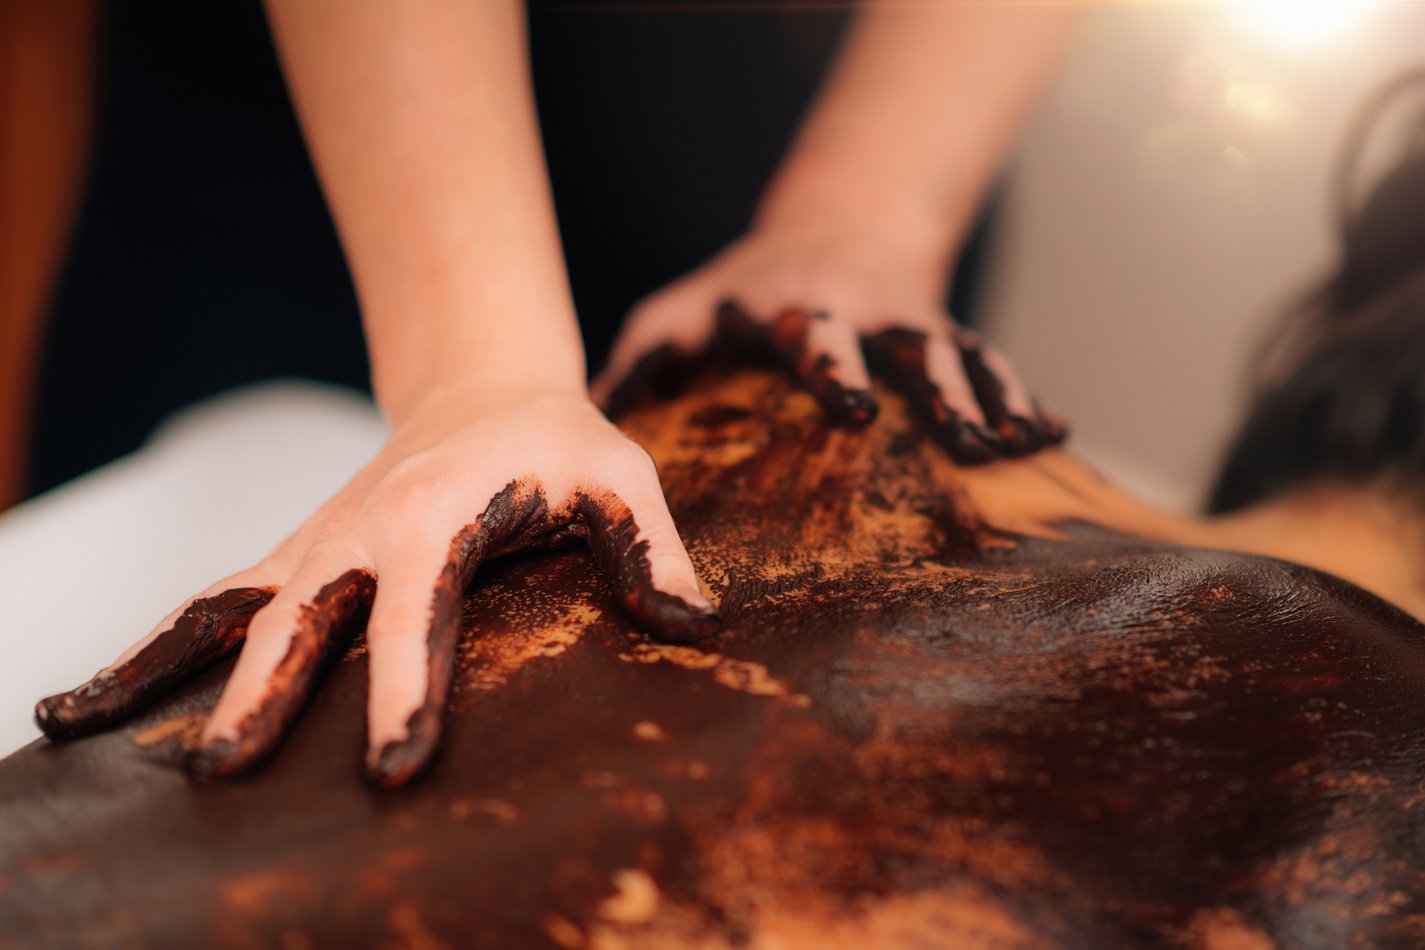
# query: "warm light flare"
[[1302, 21]]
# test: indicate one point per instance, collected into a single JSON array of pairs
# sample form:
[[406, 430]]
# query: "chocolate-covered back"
[[936, 716]]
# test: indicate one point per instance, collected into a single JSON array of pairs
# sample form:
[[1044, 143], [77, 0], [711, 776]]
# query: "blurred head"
[[1342, 389]]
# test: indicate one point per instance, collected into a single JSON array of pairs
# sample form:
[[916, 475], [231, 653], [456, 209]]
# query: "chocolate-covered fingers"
[[410, 642], [308, 623], [634, 541], [1018, 423], [415, 622], [184, 644], [661, 369], [927, 370], [661, 338], [821, 349]]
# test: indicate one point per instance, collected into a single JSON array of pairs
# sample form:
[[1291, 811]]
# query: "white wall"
[[1172, 192]]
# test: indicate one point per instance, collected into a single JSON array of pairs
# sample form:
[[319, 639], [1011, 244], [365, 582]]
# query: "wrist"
[[468, 334], [480, 395], [481, 377], [825, 192]]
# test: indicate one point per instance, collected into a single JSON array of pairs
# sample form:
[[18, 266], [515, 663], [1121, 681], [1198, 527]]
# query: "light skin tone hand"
[[853, 241], [421, 122], [422, 126]]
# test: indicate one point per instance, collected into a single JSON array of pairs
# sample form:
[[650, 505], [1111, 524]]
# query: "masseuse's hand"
[[847, 260], [468, 476], [830, 301]]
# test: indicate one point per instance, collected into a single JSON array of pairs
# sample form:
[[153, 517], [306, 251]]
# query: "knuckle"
[[265, 572], [409, 485], [410, 470], [630, 459], [933, 326], [648, 310], [834, 335], [276, 620], [395, 627], [834, 290], [661, 535], [665, 304], [338, 549], [962, 337], [278, 565]]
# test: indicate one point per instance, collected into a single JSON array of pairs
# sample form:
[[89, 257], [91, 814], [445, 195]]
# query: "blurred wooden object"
[[46, 80]]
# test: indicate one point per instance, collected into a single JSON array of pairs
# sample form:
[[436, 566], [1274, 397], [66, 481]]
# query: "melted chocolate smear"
[[659, 374], [209, 630], [1018, 435], [518, 519], [715, 417], [740, 340], [916, 730], [613, 534], [898, 356], [325, 628], [787, 336]]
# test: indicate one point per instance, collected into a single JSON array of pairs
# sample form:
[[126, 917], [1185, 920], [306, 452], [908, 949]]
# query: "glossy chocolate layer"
[[928, 721], [210, 629], [324, 630]]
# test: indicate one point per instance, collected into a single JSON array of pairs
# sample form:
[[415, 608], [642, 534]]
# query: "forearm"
[[916, 117], [421, 121]]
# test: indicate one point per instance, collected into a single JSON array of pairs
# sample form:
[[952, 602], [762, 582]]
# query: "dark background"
[[204, 258]]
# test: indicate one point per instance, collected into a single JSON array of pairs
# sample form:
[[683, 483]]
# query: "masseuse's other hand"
[[829, 301], [468, 476]]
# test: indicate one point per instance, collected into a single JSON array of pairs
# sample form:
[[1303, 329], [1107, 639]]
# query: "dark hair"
[[1341, 386]]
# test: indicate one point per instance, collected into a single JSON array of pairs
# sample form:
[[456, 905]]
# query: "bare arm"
[[850, 250], [421, 121], [916, 118]]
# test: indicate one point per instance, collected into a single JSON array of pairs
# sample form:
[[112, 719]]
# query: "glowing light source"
[[1301, 21]]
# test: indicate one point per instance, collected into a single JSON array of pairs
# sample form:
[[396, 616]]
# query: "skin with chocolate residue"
[[209, 630], [612, 535], [519, 518], [786, 336], [1017, 434], [897, 354], [987, 707], [324, 629], [659, 373], [287, 636], [399, 761]]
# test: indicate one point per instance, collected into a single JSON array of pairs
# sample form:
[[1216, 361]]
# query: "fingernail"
[[398, 762], [700, 620], [969, 444], [695, 600], [73, 714], [858, 407], [50, 712], [1020, 436], [684, 592], [216, 759], [705, 612]]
